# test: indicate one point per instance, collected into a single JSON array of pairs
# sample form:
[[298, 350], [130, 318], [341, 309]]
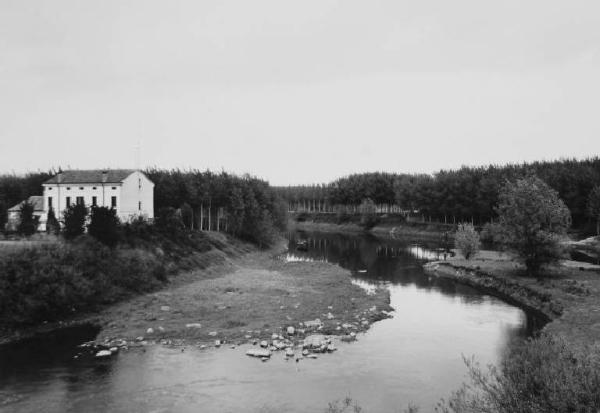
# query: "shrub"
[[28, 222], [74, 218], [104, 225], [52, 225], [540, 375], [368, 214], [467, 240], [533, 218], [492, 234]]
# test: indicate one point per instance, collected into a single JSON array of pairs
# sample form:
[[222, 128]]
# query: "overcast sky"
[[297, 92]]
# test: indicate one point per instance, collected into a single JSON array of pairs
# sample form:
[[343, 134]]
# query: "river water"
[[414, 357]]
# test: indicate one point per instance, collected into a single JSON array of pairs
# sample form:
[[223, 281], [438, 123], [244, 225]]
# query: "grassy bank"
[[395, 225], [251, 298], [46, 282], [567, 295]]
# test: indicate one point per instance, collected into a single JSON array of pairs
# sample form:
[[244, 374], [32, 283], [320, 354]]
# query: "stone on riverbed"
[[289, 352], [194, 325], [315, 341], [316, 323], [258, 352], [104, 353], [291, 330], [264, 344]]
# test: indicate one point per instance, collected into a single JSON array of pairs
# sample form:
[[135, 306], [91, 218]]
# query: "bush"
[[540, 375], [492, 234], [368, 214], [533, 218], [467, 240], [28, 222], [104, 226], [74, 217], [52, 225], [50, 281]]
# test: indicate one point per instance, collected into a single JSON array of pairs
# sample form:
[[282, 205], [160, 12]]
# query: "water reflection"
[[416, 356]]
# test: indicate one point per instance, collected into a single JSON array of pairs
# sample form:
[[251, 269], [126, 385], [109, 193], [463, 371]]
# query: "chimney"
[[59, 177], [104, 176]]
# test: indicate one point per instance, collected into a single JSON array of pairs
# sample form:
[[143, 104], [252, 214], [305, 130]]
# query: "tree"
[[593, 207], [52, 225], [533, 218], [467, 240], [74, 218], [187, 215], [28, 222], [104, 225], [368, 213]]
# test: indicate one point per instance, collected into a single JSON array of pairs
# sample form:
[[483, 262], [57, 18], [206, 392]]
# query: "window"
[[94, 201], [50, 189], [49, 202], [94, 188], [113, 202], [81, 188], [114, 187], [139, 205], [79, 200], [68, 188], [68, 201]]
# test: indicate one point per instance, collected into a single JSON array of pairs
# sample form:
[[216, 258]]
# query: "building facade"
[[128, 191]]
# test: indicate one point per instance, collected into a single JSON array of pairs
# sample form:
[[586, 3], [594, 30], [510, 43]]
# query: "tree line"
[[244, 206], [465, 194]]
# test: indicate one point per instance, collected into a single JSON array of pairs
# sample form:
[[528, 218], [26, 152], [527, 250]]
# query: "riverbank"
[[389, 225], [568, 296], [248, 299]]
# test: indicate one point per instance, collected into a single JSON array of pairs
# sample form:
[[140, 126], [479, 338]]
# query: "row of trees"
[[465, 194]]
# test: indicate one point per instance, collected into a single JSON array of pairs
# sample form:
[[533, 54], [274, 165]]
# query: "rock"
[[161, 329], [316, 323], [305, 353], [263, 359], [140, 338], [202, 347], [197, 325], [212, 333], [338, 328], [348, 338], [114, 349], [330, 316], [289, 352], [331, 348], [312, 356], [314, 341], [329, 307], [165, 308], [291, 330], [217, 343], [264, 344], [258, 352], [274, 336], [352, 334], [365, 322], [103, 353], [232, 347], [248, 337], [150, 331]]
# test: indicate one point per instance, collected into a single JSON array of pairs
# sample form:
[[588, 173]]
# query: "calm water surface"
[[416, 356]]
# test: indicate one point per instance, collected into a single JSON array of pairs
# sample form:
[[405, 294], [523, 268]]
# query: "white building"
[[129, 191]]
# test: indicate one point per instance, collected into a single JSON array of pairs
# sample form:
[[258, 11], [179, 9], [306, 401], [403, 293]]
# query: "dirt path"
[[246, 299]]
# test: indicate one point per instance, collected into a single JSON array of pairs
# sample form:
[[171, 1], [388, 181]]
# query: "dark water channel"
[[416, 356]]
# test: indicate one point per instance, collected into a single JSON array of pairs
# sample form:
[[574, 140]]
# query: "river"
[[414, 357]]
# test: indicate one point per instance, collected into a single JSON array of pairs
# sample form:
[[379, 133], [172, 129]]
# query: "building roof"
[[36, 200], [90, 176]]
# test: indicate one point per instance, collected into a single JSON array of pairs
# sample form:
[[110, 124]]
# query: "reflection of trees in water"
[[372, 259], [45, 353]]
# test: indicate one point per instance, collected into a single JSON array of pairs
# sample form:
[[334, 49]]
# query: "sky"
[[297, 92]]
